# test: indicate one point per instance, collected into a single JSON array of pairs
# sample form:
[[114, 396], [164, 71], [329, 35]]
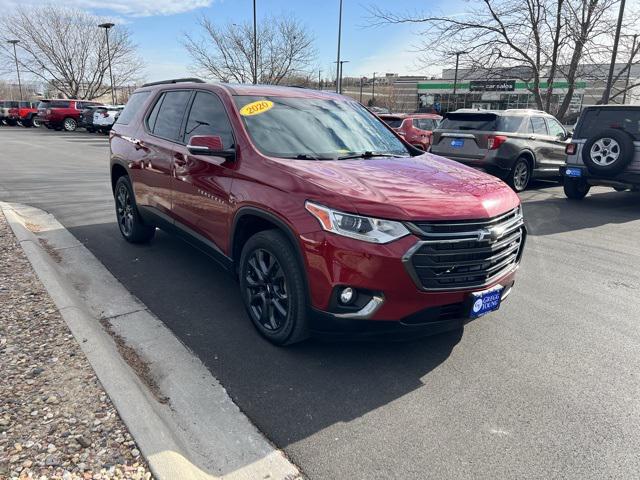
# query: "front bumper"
[[333, 262]]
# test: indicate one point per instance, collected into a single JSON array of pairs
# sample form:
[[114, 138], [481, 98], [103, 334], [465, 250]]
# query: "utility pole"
[[626, 83], [607, 90], [15, 56], [255, 46], [373, 89], [455, 76], [106, 27], [338, 67]]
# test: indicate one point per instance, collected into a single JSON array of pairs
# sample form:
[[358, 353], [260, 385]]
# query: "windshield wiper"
[[304, 156], [369, 154]]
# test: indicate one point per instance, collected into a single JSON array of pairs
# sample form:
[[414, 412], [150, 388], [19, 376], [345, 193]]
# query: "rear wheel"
[[575, 189], [132, 228], [520, 175], [35, 122], [272, 287], [70, 124]]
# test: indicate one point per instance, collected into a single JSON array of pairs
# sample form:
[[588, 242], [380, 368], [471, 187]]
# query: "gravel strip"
[[56, 421]]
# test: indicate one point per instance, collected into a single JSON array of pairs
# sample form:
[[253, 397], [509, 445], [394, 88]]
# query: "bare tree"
[[65, 48], [285, 50], [536, 41]]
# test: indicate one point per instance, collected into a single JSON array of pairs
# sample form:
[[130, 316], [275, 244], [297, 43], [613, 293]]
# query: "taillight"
[[494, 141], [571, 149], [105, 114]]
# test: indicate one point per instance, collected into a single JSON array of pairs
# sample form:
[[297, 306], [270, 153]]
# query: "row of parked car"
[[60, 114], [518, 145]]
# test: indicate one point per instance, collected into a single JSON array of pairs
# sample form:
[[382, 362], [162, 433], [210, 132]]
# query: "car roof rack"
[[174, 80]]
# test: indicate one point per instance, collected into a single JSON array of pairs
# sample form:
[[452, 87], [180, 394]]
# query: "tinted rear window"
[[481, 121], [393, 122], [170, 115], [469, 121], [136, 101], [596, 120], [425, 123]]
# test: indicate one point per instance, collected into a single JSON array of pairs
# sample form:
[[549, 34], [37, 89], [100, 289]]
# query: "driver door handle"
[[179, 160]]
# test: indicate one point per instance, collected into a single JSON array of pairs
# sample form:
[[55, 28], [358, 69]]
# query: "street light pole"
[[361, 82], [255, 46], [342, 62], [607, 90], [106, 27], [455, 75], [15, 56], [626, 83], [338, 65]]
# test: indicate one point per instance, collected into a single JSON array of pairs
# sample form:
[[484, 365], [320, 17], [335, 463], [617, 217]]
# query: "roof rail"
[[174, 80]]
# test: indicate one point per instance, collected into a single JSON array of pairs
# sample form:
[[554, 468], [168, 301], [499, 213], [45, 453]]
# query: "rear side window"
[[133, 105], [208, 117], [58, 104], [596, 120], [539, 126], [469, 121], [170, 114], [509, 123], [555, 129]]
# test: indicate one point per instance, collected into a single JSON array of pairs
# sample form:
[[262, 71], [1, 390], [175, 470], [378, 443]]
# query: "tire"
[[273, 289], [520, 175], [69, 124], [131, 226], [608, 152], [11, 122], [575, 189], [35, 122]]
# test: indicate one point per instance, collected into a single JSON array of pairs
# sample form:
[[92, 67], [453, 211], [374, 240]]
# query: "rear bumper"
[[498, 166], [624, 179]]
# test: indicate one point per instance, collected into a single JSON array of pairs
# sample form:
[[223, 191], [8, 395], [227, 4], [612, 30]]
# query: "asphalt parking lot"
[[548, 387]]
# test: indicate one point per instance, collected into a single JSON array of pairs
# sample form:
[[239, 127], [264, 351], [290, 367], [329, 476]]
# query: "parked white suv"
[[104, 117], [605, 150]]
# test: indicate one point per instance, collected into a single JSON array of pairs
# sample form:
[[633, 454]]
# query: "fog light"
[[347, 295]]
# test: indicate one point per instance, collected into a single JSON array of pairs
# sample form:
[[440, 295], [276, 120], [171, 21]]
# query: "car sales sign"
[[492, 85]]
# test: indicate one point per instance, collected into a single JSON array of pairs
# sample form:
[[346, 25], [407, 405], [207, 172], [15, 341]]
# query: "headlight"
[[368, 229]]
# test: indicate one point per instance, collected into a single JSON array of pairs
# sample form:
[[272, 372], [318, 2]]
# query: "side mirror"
[[568, 135], [209, 145]]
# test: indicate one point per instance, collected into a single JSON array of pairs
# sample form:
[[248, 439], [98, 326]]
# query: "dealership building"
[[500, 92]]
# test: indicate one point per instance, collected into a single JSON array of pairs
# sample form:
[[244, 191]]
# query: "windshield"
[[311, 128]]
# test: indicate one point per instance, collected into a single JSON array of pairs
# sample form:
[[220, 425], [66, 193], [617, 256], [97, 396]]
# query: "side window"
[[133, 105], [170, 115], [208, 117], [539, 126], [151, 120], [80, 105], [555, 129]]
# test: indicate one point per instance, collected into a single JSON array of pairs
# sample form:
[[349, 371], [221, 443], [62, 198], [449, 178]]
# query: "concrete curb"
[[184, 422]]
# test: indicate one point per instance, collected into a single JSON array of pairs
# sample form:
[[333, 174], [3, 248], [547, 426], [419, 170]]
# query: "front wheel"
[[520, 175], [575, 189], [272, 287], [70, 124], [132, 228]]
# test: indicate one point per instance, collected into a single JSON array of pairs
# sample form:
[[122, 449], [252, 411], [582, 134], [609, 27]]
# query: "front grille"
[[467, 254]]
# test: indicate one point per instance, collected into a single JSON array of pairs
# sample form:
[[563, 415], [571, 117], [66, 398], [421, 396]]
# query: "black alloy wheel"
[[273, 288], [267, 290], [131, 226]]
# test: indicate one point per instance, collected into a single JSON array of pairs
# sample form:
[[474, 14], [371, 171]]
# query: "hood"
[[426, 187]]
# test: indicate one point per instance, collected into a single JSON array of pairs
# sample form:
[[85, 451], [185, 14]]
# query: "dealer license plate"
[[485, 302], [457, 143], [573, 172]]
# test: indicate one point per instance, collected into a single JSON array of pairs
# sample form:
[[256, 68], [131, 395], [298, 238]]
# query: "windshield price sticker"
[[256, 108]]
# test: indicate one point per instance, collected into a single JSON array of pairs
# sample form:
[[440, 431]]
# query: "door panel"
[[202, 183]]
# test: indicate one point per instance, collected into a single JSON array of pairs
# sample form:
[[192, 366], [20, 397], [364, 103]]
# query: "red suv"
[[59, 114], [25, 113], [327, 217], [416, 128]]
